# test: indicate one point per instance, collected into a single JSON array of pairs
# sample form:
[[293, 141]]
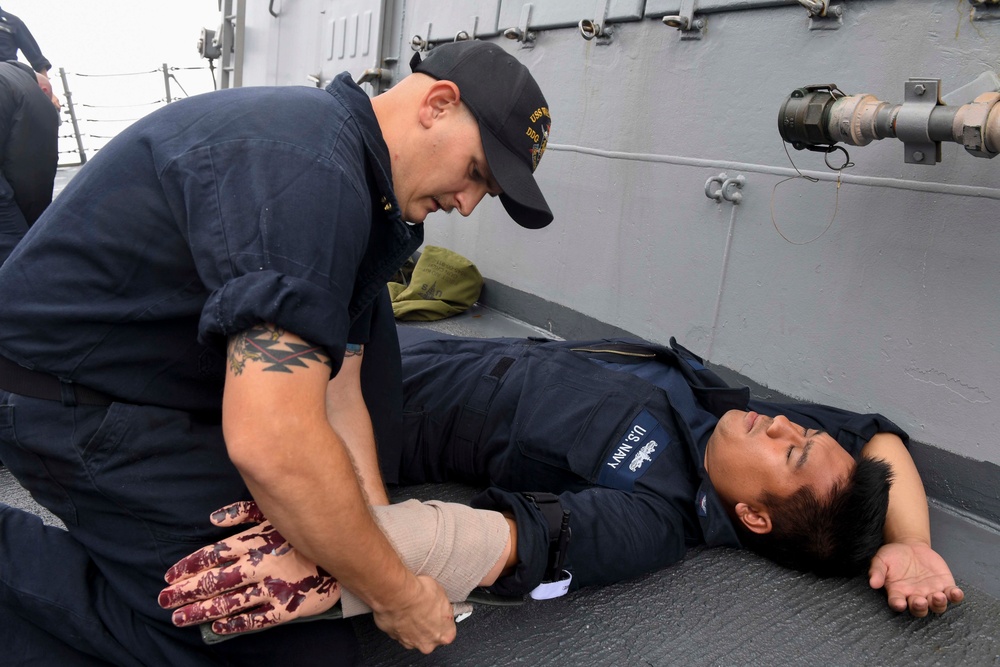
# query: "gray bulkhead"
[[882, 294]]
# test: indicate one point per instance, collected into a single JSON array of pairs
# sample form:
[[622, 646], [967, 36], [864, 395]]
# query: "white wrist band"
[[552, 589]]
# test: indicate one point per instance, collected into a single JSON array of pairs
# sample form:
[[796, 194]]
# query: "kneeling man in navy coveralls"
[[609, 459], [201, 316]]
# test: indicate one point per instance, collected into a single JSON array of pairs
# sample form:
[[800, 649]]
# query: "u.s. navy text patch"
[[634, 453]]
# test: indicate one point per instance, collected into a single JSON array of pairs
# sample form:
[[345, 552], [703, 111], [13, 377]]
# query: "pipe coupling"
[[853, 119], [977, 125]]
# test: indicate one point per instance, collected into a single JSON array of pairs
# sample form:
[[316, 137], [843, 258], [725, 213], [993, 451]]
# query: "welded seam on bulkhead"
[[873, 181]]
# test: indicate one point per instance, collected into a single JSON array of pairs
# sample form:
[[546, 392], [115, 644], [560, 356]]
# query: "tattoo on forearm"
[[354, 350], [266, 344]]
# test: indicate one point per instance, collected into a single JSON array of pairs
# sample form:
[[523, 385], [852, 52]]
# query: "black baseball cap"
[[513, 118]]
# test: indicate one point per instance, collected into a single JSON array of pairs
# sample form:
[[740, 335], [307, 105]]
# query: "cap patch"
[[538, 134]]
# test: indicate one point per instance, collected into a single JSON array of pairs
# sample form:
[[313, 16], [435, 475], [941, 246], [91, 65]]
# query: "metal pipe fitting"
[[977, 125], [804, 118], [854, 120], [993, 130], [818, 117]]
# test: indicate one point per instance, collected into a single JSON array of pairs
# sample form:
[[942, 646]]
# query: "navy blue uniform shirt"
[[207, 217], [617, 429], [14, 36]]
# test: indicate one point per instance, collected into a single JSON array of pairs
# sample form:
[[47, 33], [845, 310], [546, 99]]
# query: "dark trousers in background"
[[12, 223]]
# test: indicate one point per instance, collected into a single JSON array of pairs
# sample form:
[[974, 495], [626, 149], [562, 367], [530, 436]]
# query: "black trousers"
[[134, 486]]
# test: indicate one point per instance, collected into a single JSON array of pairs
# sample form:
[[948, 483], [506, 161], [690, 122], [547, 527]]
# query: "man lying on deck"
[[643, 449]]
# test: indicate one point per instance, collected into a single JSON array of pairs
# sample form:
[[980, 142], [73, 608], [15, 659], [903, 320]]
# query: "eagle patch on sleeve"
[[634, 454]]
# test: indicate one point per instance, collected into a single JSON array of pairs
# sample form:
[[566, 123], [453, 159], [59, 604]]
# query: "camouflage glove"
[[247, 582]]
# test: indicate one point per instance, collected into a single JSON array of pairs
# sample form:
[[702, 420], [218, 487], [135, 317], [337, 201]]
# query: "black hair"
[[836, 537]]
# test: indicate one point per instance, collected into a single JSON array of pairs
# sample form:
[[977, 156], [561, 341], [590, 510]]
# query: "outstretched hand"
[[246, 582], [915, 577]]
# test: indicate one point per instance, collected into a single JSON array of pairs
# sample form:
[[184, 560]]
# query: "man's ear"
[[756, 520], [438, 100]]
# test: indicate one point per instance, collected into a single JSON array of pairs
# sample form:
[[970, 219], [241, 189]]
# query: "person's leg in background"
[[12, 224]]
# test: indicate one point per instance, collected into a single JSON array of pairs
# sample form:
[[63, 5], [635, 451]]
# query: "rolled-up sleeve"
[[277, 234]]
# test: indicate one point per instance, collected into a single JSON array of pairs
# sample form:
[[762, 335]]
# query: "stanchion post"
[[72, 115], [166, 82]]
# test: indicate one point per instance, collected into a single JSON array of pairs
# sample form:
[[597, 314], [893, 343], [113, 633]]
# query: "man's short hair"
[[831, 538]]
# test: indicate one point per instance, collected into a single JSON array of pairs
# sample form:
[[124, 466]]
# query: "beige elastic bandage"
[[454, 544]]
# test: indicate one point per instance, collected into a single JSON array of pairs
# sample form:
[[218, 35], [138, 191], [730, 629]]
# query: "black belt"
[[20, 380]]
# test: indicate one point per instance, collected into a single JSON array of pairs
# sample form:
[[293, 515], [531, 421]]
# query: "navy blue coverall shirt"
[[616, 428], [210, 216], [15, 36]]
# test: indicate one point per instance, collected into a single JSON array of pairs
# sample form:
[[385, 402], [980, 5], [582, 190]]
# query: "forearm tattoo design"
[[264, 344], [354, 350]]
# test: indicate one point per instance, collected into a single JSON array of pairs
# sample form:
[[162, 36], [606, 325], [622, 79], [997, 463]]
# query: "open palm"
[[915, 577]]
